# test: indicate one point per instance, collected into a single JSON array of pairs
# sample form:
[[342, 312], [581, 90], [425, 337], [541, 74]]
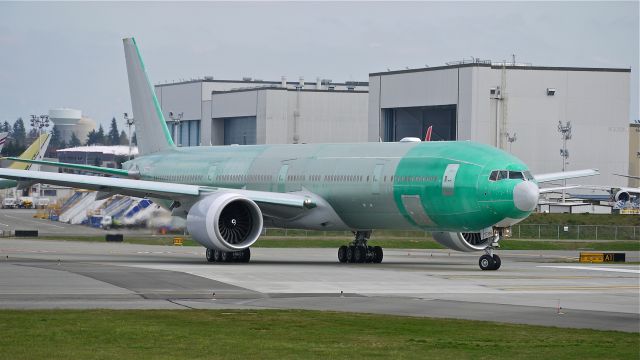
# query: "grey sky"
[[70, 54]]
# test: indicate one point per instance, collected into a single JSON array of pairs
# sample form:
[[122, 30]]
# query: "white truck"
[[9, 203]]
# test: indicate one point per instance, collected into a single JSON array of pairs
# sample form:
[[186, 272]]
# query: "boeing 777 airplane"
[[467, 194]]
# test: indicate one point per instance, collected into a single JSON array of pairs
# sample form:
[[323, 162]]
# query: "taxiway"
[[532, 287]]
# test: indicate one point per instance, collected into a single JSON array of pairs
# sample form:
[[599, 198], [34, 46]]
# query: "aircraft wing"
[[90, 168], [556, 189], [629, 176], [565, 175], [144, 188]]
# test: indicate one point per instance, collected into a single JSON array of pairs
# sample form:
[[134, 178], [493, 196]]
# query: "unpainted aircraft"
[[467, 194]]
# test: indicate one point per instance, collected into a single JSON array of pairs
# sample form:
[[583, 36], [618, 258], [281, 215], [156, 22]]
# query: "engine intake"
[[622, 196], [466, 242], [225, 221]]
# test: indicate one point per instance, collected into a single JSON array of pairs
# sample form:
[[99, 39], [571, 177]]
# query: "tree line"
[[18, 139]]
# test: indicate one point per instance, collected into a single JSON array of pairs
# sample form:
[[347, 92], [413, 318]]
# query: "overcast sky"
[[70, 54]]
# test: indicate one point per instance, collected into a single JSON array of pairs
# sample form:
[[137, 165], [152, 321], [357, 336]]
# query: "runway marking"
[[4, 224], [633, 271], [560, 287], [38, 222]]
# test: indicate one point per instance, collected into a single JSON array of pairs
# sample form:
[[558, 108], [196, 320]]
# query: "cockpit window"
[[515, 175]]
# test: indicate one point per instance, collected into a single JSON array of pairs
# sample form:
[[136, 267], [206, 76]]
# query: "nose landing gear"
[[490, 261], [359, 252]]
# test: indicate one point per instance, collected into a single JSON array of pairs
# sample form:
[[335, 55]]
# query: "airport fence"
[[520, 231]]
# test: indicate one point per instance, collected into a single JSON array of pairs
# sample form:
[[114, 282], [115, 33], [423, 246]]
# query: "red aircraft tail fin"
[[427, 136]]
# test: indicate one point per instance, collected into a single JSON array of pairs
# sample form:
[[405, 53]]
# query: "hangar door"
[[414, 122], [240, 130]]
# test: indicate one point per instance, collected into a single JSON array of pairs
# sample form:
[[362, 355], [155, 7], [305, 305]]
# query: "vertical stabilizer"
[[35, 151], [151, 128], [3, 139]]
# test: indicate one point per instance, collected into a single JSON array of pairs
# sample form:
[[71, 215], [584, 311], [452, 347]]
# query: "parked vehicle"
[[9, 203], [26, 202]]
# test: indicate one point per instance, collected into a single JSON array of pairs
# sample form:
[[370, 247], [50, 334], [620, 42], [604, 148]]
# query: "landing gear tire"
[[342, 254], [496, 262], [210, 255], [225, 256], [216, 255], [350, 253], [486, 262], [378, 254], [360, 254], [246, 255]]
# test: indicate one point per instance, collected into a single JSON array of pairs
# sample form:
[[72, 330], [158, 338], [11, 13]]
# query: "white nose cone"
[[525, 196]]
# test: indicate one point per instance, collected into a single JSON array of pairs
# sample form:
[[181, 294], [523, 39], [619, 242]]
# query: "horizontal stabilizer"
[[90, 168]]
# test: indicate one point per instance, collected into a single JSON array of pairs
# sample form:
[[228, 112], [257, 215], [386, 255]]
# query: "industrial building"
[[513, 106], [225, 112], [96, 155], [516, 107]]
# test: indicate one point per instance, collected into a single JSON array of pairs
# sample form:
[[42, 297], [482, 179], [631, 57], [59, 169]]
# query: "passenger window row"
[[193, 178]]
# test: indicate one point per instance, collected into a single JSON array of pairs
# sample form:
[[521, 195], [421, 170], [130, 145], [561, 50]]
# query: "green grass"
[[281, 334], [387, 243]]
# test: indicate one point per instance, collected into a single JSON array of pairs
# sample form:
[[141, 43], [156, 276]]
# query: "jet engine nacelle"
[[466, 242], [622, 195], [225, 221]]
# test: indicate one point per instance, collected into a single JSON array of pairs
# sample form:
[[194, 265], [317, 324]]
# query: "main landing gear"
[[240, 256], [359, 252], [490, 261]]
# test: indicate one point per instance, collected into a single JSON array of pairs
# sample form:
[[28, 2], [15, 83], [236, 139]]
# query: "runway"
[[532, 287]]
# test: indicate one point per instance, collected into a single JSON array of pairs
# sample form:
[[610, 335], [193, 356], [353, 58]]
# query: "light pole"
[[511, 140], [176, 124], [39, 122], [565, 131], [129, 122]]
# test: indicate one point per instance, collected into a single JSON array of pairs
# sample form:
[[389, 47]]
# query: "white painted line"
[[35, 221], [633, 271]]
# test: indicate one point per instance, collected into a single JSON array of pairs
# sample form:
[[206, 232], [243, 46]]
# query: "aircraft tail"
[[3, 139], [427, 136], [151, 128], [35, 151]]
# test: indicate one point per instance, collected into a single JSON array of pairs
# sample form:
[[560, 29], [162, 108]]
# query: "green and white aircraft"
[[467, 194]]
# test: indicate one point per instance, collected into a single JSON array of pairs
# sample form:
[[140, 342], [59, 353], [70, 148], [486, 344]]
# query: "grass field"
[[387, 243], [281, 334]]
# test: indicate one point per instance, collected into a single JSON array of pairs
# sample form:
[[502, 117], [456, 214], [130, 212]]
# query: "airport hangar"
[[477, 100]]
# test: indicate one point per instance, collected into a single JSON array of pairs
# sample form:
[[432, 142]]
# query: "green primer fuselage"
[[369, 185]]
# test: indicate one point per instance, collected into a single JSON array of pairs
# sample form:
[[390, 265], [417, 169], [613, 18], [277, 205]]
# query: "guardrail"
[[520, 231], [575, 232]]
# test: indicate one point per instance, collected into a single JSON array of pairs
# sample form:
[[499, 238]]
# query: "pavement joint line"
[[592, 268]]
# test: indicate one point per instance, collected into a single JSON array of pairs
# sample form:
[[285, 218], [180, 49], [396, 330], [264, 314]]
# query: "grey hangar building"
[[515, 107]]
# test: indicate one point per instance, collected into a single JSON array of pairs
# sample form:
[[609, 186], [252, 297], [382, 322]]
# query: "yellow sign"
[[177, 241], [630, 211], [598, 257], [591, 257]]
